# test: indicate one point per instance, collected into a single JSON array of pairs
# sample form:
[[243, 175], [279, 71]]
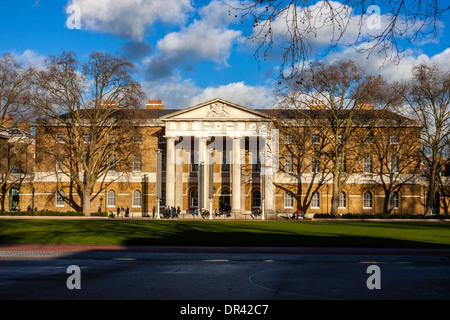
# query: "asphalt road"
[[225, 276]]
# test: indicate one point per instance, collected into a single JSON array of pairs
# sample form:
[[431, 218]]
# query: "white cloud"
[[30, 58], [207, 38], [130, 18], [178, 93]]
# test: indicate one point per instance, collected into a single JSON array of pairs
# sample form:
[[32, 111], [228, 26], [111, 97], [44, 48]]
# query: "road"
[[197, 276]]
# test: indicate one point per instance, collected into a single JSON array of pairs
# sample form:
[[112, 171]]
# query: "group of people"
[[168, 212], [120, 211]]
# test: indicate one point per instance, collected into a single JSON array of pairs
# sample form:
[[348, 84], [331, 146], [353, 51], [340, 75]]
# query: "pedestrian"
[[127, 212], [118, 211], [178, 212], [121, 210], [153, 212]]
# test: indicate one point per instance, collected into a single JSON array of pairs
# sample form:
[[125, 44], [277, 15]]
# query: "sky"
[[185, 51]]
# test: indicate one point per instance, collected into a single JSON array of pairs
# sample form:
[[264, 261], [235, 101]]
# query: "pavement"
[[205, 249]]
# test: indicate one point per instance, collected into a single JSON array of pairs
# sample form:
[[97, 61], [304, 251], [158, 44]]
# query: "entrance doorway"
[[14, 198], [224, 202]]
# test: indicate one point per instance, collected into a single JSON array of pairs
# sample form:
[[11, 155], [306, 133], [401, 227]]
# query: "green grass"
[[227, 233]]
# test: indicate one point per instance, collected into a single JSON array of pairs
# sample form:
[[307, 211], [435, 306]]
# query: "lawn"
[[227, 233]]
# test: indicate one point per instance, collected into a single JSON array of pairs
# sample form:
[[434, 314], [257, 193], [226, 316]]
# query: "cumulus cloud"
[[207, 38], [30, 58], [185, 93], [130, 18]]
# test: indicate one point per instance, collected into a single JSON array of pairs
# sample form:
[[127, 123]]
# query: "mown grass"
[[227, 233]]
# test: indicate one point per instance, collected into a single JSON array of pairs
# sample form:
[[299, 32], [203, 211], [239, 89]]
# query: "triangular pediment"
[[216, 109]]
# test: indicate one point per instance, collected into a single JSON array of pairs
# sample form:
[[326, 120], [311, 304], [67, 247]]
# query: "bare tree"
[[293, 26], [429, 99], [336, 101], [15, 83], [86, 111]]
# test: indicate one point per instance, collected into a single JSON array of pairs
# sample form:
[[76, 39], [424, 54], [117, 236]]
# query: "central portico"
[[210, 148]]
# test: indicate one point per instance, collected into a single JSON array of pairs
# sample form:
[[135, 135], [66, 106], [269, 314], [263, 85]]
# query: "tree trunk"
[[87, 201], [335, 197], [431, 194]]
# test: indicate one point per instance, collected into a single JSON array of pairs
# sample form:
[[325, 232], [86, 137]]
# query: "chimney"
[[365, 106], [108, 103], [24, 126], [317, 104], [8, 122], [154, 104]]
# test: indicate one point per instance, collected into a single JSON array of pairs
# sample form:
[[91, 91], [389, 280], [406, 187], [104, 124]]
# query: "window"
[[315, 138], [111, 198], [340, 139], [193, 199], [288, 199], [315, 200], [314, 165], [86, 138], [59, 165], [60, 198], [138, 139], [344, 165], [288, 167], [161, 138], [256, 163], [111, 138], [256, 199], [367, 164], [225, 162], [367, 200], [393, 139], [342, 200], [137, 163], [369, 138], [194, 162], [136, 198], [287, 139], [393, 200], [112, 162], [394, 164], [60, 137], [162, 201]]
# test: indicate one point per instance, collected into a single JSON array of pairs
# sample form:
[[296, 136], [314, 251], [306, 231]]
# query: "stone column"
[[236, 177], [170, 171]]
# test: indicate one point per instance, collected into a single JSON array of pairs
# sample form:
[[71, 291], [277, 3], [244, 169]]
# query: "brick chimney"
[[108, 103], [154, 104], [8, 122], [317, 104], [24, 126], [365, 106]]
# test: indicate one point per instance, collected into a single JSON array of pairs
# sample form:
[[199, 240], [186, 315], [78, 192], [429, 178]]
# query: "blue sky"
[[186, 52]]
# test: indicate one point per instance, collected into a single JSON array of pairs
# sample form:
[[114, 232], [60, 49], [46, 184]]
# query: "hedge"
[[383, 216]]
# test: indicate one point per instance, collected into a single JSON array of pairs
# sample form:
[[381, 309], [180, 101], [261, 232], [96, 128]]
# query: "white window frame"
[[315, 165], [393, 139], [110, 198], [288, 163], [315, 138], [59, 198], [394, 164], [315, 200], [367, 163], [342, 200], [394, 201], [288, 199], [288, 139], [136, 198], [364, 200], [137, 163]]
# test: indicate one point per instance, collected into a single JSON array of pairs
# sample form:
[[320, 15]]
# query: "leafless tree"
[[429, 99], [296, 26], [85, 108], [335, 101], [15, 82]]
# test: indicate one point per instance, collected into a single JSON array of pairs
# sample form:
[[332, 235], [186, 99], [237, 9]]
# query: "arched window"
[[60, 198], [367, 200], [14, 199], [193, 198], [111, 198], [288, 199], [256, 199], [315, 200], [136, 198], [393, 200], [342, 200]]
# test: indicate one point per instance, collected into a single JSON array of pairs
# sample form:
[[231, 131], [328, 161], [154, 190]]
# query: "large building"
[[230, 159]]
